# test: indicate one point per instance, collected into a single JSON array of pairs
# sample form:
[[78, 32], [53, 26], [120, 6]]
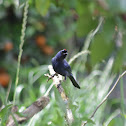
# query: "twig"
[[20, 47], [29, 112], [105, 98], [77, 55]]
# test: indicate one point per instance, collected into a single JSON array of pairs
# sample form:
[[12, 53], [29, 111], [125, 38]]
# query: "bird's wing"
[[67, 66]]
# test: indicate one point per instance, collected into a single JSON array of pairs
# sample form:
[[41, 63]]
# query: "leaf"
[[102, 44], [18, 91], [125, 116], [42, 6], [116, 122], [3, 94], [85, 23], [4, 110], [4, 114], [121, 57], [100, 49], [60, 102]]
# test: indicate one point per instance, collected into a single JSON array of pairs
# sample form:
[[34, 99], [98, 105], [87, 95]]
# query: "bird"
[[61, 66]]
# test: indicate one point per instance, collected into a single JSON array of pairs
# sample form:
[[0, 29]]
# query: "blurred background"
[[55, 25]]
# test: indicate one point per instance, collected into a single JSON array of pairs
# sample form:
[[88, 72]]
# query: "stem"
[[122, 98], [105, 98], [20, 47]]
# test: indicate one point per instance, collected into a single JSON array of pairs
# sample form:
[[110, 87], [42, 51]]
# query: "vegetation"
[[94, 34]]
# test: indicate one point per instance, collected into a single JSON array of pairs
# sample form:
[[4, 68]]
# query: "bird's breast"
[[58, 67]]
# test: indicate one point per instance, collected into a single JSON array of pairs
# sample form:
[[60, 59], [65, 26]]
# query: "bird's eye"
[[64, 51]]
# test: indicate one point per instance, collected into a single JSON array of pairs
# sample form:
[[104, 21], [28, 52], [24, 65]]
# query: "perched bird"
[[61, 66]]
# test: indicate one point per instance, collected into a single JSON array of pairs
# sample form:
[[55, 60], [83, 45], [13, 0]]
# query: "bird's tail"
[[74, 81]]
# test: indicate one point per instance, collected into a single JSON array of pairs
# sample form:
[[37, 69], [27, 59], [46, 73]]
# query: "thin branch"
[[77, 55], [105, 98]]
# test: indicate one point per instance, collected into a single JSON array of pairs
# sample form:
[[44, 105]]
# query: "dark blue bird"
[[61, 66]]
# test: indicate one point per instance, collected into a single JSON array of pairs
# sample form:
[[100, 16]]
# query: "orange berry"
[[48, 50], [40, 40], [8, 46], [4, 79]]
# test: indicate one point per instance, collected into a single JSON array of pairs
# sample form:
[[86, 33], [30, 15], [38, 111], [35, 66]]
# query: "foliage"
[[51, 26]]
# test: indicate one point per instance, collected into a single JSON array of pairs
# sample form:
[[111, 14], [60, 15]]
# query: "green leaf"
[[4, 110], [116, 122], [4, 114], [85, 23], [60, 102], [100, 49], [102, 44], [42, 6], [121, 57], [125, 116], [18, 91]]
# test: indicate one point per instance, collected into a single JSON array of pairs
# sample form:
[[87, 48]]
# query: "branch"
[[105, 98], [57, 82], [29, 112]]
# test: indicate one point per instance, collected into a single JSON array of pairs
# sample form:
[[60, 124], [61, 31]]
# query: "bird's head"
[[61, 54]]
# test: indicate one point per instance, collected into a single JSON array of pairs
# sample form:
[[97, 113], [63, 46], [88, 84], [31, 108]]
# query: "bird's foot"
[[51, 76], [64, 78], [58, 85]]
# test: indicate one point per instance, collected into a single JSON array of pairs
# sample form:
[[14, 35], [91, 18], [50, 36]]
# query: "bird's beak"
[[65, 53]]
